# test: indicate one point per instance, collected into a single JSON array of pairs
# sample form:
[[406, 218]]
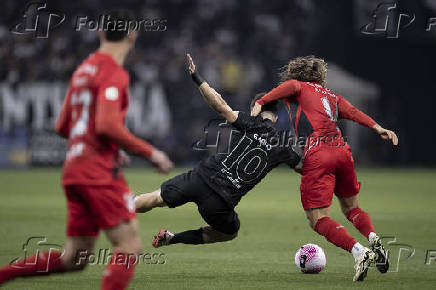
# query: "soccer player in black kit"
[[219, 182]]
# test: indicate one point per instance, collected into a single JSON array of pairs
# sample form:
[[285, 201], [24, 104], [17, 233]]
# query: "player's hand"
[[256, 109], [386, 134], [161, 161], [191, 67], [123, 158]]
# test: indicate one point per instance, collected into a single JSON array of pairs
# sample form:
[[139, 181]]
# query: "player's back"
[[91, 158], [255, 149], [314, 111]]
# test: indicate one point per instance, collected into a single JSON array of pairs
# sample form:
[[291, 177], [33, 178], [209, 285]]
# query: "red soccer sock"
[[119, 272], [361, 221], [37, 265], [335, 233]]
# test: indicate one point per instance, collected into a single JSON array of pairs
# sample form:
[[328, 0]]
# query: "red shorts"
[[95, 207], [327, 169]]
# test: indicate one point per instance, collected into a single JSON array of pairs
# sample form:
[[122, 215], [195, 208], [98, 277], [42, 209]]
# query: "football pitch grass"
[[402, 204]]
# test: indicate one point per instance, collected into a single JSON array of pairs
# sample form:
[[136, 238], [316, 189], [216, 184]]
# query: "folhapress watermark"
[[106, 23], [388, 21], [39, 20], [37, 250], [218, 135]]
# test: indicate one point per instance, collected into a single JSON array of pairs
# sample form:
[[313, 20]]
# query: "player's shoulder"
[[250, 124], [318, 89], [108, 69], [295, 84], [245, 119]]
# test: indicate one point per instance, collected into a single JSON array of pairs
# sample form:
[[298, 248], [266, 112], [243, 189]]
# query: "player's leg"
[[204, 235], [39, 264], [77, 251], [81, 233], [173, 193], [74, 258], [211, 235], [147, 201], [113, 211], [223, 225], [359, 218], [347, 189], [335, 233], [223, 222], [317, 186], [126, 248]]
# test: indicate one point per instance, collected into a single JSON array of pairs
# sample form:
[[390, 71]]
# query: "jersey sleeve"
[[244, 121], [109, 120], [347, 111], [287, 89], [62, 126]]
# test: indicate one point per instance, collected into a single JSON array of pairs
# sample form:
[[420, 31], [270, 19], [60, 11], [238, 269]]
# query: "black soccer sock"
[[193, 237]]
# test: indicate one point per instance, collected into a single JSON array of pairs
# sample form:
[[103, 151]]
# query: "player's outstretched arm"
[[284, 90], [386, 134], [108, 123], [347, 111], [214, 99]]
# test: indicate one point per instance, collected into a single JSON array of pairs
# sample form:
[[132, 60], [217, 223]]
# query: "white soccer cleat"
[[362, 264]]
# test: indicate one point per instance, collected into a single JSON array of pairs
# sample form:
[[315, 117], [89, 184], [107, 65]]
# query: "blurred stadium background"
[[239, 47]]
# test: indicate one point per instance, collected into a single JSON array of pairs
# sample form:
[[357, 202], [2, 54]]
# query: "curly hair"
[[306, 69]]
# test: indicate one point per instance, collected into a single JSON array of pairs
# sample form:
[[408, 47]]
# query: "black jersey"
[[252, 154]]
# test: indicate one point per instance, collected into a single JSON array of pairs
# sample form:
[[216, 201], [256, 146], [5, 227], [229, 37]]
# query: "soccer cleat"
[[162, 239], [381, 260], [362, 264]]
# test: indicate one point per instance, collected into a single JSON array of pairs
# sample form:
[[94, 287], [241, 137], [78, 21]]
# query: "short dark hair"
[[114, 32], [270, 107]]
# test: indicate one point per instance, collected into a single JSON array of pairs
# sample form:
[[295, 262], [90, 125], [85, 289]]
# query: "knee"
[[77, 261], [226, 237], [210, 235], [233, 236], [133, 247], [348, 210], [348, 204]]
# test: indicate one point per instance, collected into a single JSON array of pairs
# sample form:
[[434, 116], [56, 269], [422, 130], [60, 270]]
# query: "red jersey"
[[314, 110], [92, 118]]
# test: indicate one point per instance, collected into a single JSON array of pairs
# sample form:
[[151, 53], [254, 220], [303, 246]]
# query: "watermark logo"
[[397, 252], [387, 20], [106, 23], [38, 254], [220, 137], [39, 20], [32, 253], [430, 257], [217, 137]]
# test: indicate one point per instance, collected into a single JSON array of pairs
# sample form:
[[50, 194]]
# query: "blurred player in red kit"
[[328, 165], [98, 197]]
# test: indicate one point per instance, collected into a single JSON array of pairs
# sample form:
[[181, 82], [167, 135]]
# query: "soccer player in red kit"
[[98, 197], [328, 165]]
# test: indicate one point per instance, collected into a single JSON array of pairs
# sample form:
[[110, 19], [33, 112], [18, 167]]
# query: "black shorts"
[[190, 187]]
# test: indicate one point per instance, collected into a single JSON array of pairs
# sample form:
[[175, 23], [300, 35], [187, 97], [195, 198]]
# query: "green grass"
[[273, 226]]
